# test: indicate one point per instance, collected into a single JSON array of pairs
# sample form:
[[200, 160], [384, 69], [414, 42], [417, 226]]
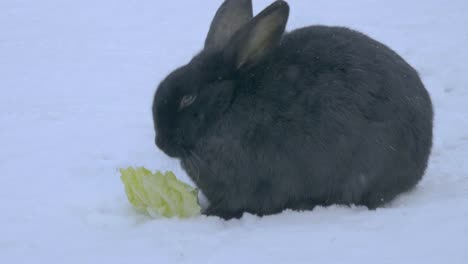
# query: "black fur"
[[318, 116]]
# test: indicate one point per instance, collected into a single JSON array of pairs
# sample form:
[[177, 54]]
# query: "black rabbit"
[[264, 120]]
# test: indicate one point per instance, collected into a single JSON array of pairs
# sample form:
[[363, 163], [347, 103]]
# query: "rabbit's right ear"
[[259, 37], [230, 17]]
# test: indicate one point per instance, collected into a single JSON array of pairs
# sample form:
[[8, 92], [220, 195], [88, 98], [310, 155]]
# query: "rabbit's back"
[[347, 65]]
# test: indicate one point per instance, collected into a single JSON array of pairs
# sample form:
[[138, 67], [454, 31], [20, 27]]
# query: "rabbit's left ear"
[[259, 37], [230, 17]]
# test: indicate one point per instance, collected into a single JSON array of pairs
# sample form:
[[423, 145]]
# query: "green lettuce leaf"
[[159, 194]]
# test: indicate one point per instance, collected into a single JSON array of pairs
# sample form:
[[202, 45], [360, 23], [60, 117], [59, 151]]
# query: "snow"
[[77, 80]]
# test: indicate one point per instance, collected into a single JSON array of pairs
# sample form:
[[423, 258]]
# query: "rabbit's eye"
[[187, 100]]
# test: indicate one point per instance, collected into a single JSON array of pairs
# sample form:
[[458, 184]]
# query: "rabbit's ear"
[[259, 37], [230, 17]]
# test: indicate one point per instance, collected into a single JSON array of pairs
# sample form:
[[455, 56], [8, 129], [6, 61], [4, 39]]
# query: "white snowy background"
[[76, 85]]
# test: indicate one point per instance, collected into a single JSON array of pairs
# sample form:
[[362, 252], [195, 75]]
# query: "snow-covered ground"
[[76, 85]]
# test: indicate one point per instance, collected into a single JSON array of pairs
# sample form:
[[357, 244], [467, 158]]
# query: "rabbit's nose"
[[166, 146]]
